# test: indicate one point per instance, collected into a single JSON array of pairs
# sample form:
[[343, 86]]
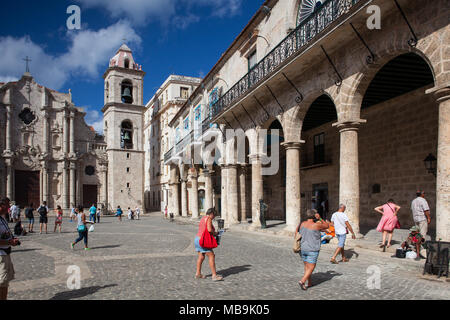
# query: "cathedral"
[[49, 153]]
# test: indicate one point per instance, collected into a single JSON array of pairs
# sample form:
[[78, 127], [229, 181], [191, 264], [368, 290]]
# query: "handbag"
[[207, 240], [297, 247], [81, 228]]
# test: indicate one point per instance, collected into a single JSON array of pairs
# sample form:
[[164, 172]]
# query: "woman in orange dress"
[[58, 221], [388, 222]]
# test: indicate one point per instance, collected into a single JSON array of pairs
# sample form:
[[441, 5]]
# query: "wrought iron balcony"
[[169, 154], [300, 37]]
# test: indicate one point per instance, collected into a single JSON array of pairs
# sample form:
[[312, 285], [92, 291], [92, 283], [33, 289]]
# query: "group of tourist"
[[132, 215]]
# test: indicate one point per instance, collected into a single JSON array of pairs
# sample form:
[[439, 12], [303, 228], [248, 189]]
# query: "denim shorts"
[[198, 248], [31, 220], [341, 238], [309, 256]]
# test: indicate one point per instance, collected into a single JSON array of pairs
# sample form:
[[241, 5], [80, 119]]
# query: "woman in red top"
[[58, 221], [206, 223]]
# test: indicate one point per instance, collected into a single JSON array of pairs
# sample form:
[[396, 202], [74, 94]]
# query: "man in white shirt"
[[421, 212], [340, 222]]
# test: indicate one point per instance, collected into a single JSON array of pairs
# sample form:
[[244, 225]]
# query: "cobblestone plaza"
[[155, 259]]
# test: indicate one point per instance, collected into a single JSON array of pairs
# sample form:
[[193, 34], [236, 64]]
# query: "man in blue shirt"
[[92, 213]]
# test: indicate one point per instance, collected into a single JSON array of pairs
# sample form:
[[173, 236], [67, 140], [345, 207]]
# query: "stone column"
[[257, 188], [209, 192], [65, 133], [243, 192], [443, 165], [194, 188], [8, 128], [232, 195], [224, 191], [46, 132], [72, 191], [174, 205], [45, 182], [65, 184], [293, 203], [184, 198], [105, 185], [72, 133], [9, 180], [349, 172]]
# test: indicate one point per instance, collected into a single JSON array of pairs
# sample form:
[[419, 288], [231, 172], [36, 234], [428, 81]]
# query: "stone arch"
[[356, 86]]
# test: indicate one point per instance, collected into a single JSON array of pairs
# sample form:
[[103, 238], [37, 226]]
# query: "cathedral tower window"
[[127, 91], [126, 135], [127, 63]]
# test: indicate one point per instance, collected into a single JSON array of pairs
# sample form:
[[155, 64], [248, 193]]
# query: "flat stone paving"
[[155, 259]]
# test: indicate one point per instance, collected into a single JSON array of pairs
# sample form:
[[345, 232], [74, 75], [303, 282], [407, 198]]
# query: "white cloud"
[[87, 55], [94, 118], [88, 51], [176, 12]]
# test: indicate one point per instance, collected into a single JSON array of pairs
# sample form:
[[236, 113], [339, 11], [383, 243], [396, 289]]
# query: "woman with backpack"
[[58, 221], [388, 222], [81, 228], [43, 220]]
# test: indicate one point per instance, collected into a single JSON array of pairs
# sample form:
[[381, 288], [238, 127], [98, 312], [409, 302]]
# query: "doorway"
[[320, 197], [89, 195], [27, 188]]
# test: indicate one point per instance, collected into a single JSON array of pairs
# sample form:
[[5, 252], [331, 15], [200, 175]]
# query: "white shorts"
[[6, 271]]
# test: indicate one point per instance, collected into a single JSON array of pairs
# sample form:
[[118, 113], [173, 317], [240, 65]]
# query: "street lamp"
[[430, 164]]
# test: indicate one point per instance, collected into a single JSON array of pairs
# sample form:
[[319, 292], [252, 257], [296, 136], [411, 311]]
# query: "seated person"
[[19, 229], [329, 234], [415, 240]]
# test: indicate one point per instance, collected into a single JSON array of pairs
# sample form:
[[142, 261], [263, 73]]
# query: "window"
[[89, 170], [186, 124], [319, 148], [252, 60], [128, 156], [127, 91], [128, 170], [126, 135], [184, 93], [27, 116], [198, 113], [128, 184], [127, 63]]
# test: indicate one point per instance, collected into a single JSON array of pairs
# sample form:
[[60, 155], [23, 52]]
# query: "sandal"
[[217, 278], [334, 261], [200, 276], [344, 260], [302, 285]]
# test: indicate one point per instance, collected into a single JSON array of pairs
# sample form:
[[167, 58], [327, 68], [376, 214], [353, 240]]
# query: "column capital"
[[352, 125], [293, 145], [442, 93], [255, 157]]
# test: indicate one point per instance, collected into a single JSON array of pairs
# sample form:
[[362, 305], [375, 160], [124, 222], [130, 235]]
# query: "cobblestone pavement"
[[155, 259]]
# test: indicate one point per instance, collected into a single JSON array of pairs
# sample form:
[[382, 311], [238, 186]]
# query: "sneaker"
[[86, 249], [72, 246]]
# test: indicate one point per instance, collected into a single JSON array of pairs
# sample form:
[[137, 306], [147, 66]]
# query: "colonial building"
[[48, 153], [357, 110], [160, 110]]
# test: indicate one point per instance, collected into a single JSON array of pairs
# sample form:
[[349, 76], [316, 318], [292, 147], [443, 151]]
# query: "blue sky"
[[184, 37]]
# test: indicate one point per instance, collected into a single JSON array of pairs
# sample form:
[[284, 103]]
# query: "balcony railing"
[[294, 42], [169, 154]]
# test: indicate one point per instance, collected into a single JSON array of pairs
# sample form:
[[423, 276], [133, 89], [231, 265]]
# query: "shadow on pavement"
[[24, 250], [349, 253], [74, 294], [106, 247], [233, 270], [319, 277]]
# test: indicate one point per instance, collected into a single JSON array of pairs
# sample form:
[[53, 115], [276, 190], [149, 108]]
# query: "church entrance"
[[27, 188], [89, 195]]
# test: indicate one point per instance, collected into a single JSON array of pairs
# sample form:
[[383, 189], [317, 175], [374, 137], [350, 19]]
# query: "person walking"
[[73, 214], [30, 216], [421, 212], [206, 224], [388, 222], [99, 212], [130, 214], [7, 240], [92, 213], [14, 212], [58, 220], [341, 225], [310, 230], [119, 213], [81, 228], [43, 219], [137, 212]]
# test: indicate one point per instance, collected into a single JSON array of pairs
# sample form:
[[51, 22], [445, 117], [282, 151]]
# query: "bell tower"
[[123, 114]]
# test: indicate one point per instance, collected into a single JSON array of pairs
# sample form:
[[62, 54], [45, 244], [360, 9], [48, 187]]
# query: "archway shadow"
[[234, 270], [320, 277], [74, 294], [107, 247]]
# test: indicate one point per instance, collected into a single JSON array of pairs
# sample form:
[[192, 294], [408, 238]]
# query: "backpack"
[[42, 211]]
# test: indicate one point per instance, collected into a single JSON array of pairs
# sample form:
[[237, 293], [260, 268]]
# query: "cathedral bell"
[[126, 96], [126, 136]]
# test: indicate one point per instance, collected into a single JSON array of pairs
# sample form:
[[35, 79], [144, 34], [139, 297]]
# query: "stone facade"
[[48, 153]]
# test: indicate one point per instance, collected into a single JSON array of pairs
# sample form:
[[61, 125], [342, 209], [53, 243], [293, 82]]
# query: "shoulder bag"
[[297, 247], [207, 240]]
